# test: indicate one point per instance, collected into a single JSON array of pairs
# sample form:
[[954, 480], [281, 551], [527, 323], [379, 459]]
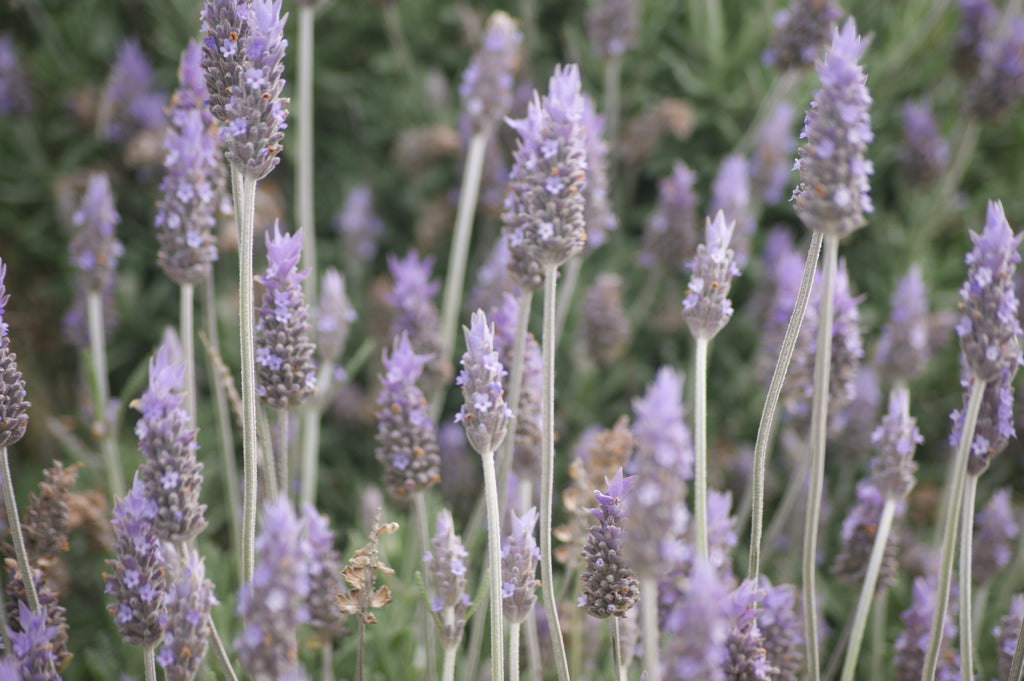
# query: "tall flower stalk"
[[242, 56]]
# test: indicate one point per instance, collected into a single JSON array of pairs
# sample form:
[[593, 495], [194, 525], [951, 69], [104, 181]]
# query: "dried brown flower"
[[361, 575]]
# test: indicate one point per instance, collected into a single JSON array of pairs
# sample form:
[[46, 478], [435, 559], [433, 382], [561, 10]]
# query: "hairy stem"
[[966, 534], [303, 105], [448, 672], [649, 627], [327, 661], [620, 668], [700, 445], [14, 525], [186, 331], [513, 650], [101, 393], [149, 657], [419, 506], [569, 283], [494, 561], [506, 451], [311, 413], [765, 429], [819, 429]]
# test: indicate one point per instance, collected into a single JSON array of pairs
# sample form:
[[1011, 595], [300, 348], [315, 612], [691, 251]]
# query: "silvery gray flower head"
[[605, 326], [13, 405], [598, 216], [445, 563], [95, 249], [670, 234], [242, 56], [858, 539], [995, 536], [834, 193], [612, 27], [771, 161], [519, 556], [895, 439], [610, 587], [706, 307], [799, 33], [285, 372], [334, 316], [546, 200], [904, 346], [1006, 635], [484, 413], [731, 194], [486, 88], [989, 329], [189, 600]]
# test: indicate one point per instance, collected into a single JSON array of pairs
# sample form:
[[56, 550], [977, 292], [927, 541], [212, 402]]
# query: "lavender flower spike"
[[989, 327], [189, 599], [274, 603], [546, 200], [598, 214], [1006, 635], [170, 474], [324, 576], [833, 194], [486, 88], [782, 630], [670, 235], [415, 313], [357, 224], [800, 31], [15, 93], [747, 659], [706, 306], [770, 164], [612, 27], [445, 563], [895, 439], [13, 405], [519, 556], [995, 424], [94, 249], [995, 537], [698, 629], [610, 587], [335, 315], [908, 660], [484, 415], [924, 154], [858, 539], [32, 646], [284, 356], [904, 347], [406, 437], [137, 581]]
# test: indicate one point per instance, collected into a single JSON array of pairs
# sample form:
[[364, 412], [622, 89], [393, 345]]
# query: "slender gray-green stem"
[[470, 670], [1016, 666], [513, 650], [455, 279], [950, 521], [494, 562], [649, 633], [396, 36], [565, 294], [14, 525], [612, 81], [419, 508], [782, 514], [327, 661], [360, 651], [311, 413], [186, 315], [283, 474], [245, 214], [819, 429], [533, 660], [268, 459], [979, 606], [448, 666], [620, 668], [700, 445], [223, 419], [867, 591], [835, 660], [303, 105], [515, 390], [766, 428], [547, 474], [221, 653], [878, 643], [101, 392], [149, 657], [966, 623]]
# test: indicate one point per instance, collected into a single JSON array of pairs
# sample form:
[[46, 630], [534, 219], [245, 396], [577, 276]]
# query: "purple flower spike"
[[9, 670], [484, 414], [924, 154], [730, 193], [747, 659], [782, 265], [1006, 635], [670, 235], [998, 84], [13, 405], [285, 373], [833, 194], [15, 94], [698, 629], [189, 599], [32, 647], [904, 347], [858, 539], [128, 103], [325, 581], [406, 437], [486, 88], [995, 536], [137, 581], [95, 249], [610, 587], [598, 216], [519, 556], [800, 32], [782, 631], [605, 326], [771, 163], [274, 603], [445, 563], [358, 225], [546, 201], [191, 93], [170, 474], [335, 315], [895, 439], [612, 28], [995, 424], [988, 327], [493, 279], [415, 313], [979, 19], [707, 307], [911, 645]]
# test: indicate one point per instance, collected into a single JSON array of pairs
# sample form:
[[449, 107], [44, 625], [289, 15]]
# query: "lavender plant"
[[445, 567], [188, 601]]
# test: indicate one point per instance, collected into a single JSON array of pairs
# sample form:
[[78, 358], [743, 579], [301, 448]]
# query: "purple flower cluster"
[[138, 580], [13, 405], [858, 540], [895, 439], [33, 647], [995, 536], [978, 21], [484, 413], [519, 556], [128, 103], [833, 194], [698, 629], [911, 645], [605, 327], [597, 215], [771, 162], [194, 182], [546, 201], [189, 599], [670, 235], [904, 346], [242, 56], [285, 373], [799, 33], [730, 194], [445, 567], [924, 154], [998, 83], [359, 227], [747, 658], [610, 587], [15, 94], [406, 437], [334, 316], [782, 266], [995, 424], [612, 27], [325, 581], [706, 307], [493, 279], [95, 249], [170, 475], [1006, 635], [781, 630], [414, 312], [486, 88]]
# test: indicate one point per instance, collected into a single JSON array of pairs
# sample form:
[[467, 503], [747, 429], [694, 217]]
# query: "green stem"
[[221, 653], [456, 278], [819, 429], [327, 661], [565, 293], [245, 215], [513, 650], [879, 615], [966, 534], [533, 649], [149, 656], [494, 561], [419, 506], [185, 328], [448, 673], [547, 480], [303, 106], [14, 525], [649, 627], [515, 390], [1016, 666], [283, 472], [700, 445], [101, 390], [765, 429], [311, 413], [949, 529], [620, 668], [867, 592], [266, 453]]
